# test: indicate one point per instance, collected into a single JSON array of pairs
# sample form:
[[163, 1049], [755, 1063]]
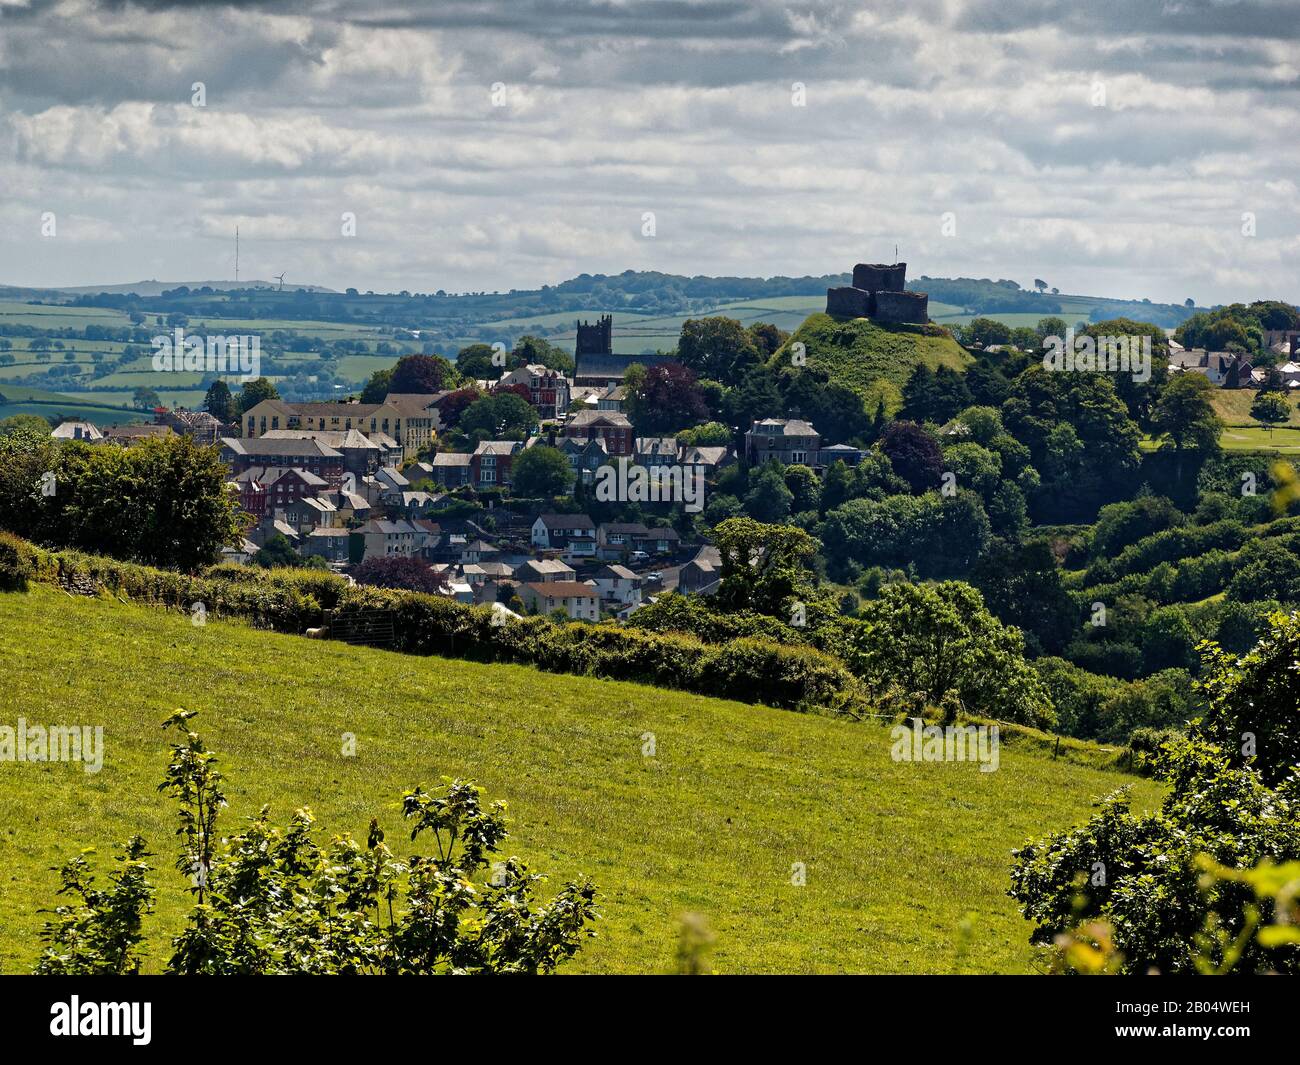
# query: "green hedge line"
[[749, 670]]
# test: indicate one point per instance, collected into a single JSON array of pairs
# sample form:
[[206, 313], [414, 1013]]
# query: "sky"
[[1136, 148]]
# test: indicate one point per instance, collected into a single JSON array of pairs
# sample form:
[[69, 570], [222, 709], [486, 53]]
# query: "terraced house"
[[408, 419]]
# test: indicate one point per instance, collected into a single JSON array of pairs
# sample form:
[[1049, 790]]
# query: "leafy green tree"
[[1185, 417], [755, 397], [769, 499], [934, 395], [940, 640], [805, 489], [531, 350], [540, 472], [163, 502], [767, 338], [98, 932], [254, 392], [764, 567], [986, 332], [277, 552], [378, 387], [475, 363], [504, 416], [1231, 810], [1252, 700], [1270, 408], [145, 399], [219, 402], [835, 486], [718, 348], [710, 434], [24, 423], [1080, 438]]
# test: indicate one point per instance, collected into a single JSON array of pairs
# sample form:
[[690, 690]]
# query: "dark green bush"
[[17, 564]]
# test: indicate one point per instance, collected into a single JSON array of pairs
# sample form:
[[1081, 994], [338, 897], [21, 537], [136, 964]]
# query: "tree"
[[273, 900], [378, 387], [540, 472], [1270, 408], [764, 567], [145, 399], [1041, 285], [986, 332], [1184, 416], [1230, 809], [475, 363], [278, 553], [913, 453], [453, 405], [755, 397], [935, 640], [29, 423], [397, 571], [422, 374], [767, 338], [934, 396], [1021, 585], [718, 348], [163, 502], [1252, 702], [769, 499], [666, 399], [531, 350], [255, 392], [219, 402], [499, 417], [804, 487], [710, 434]]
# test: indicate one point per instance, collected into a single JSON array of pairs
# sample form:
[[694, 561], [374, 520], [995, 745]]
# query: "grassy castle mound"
[[858, 352]]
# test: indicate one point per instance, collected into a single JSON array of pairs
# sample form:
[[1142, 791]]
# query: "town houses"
[[399, 483]]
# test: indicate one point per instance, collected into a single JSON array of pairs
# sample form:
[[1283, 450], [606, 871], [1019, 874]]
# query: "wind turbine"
[[280, 278]]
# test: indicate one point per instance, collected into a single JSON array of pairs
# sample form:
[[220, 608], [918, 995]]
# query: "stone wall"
[[849, 303], [879, 277], [902, 307]]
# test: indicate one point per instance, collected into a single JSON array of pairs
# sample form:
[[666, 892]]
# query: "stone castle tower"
[[595, 339], [879, 292]]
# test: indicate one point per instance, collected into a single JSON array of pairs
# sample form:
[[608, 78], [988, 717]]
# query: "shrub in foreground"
[[272, 900]]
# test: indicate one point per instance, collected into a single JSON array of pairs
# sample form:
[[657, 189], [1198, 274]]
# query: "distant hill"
[[147, 288], [857, 351]]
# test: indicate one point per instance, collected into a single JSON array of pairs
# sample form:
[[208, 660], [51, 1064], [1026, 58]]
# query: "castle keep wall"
[[902, 307], [849, 302], [879, 291], [877, 277]]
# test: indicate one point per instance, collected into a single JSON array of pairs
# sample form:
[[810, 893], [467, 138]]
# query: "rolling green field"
[[91, 406], [906, 863]]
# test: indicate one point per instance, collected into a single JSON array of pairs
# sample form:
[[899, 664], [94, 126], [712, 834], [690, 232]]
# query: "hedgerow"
[[293, 601]]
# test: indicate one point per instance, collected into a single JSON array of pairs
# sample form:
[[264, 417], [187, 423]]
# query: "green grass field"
[[900, 857], [857, 352], [90, 406]]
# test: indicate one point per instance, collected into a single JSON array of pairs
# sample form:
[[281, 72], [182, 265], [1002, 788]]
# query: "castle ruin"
[[879, 292]]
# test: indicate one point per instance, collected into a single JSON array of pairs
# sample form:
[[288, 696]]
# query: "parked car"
[[639, 556], [654, 576]]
